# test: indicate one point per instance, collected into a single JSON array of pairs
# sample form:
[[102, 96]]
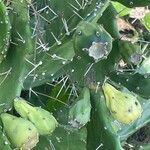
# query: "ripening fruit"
[[21, 133], [124, 107], [42, 119]]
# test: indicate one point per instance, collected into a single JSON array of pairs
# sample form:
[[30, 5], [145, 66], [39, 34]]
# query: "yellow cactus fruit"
[[124, 107]]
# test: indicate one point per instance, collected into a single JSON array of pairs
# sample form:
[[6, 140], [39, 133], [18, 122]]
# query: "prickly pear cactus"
[[74, 74]]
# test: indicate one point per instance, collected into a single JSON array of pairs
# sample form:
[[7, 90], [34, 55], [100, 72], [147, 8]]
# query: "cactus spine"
[[124, 107]]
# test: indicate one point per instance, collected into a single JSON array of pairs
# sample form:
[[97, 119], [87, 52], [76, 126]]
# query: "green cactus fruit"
[[124, 107], [5, 31], [130, 52], [92, 40], [4, 142], [21, 133], [42, 119], [79, 113]]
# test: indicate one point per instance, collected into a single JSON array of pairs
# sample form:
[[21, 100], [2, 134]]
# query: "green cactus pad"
[[91, 40], [139, 84], [63, 18], [52, 63], [101, 133], [79, 113], [13, 67], [134, 3], [65, 137], [131, 52], [144, 68], [110, 24], [21, 133], [5, 31]]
